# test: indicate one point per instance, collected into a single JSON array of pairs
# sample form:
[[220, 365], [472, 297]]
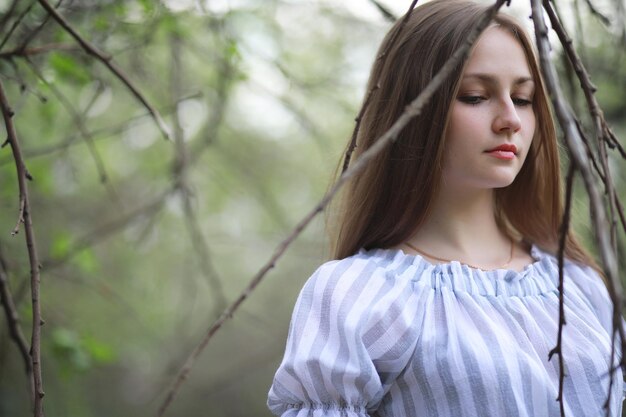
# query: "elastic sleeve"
[[327, 370]]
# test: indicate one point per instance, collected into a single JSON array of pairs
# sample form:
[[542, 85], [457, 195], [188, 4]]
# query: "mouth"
[[505, 151]]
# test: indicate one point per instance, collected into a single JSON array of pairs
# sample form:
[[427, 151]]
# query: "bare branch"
[[36, 50], [387, 14], [104, 231], [180, 167], [80, 126], [15, 329], [370, 93], [413, 110], [580, 160], [605, 137], [357, 127], [33, 33], [8, 14], [558, 349], [594, 11], [22, 174], [602, 128], [16, 23], [108, 62], [106, 132]]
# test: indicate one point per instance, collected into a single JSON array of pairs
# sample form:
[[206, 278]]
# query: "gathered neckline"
[[537, 278], [535, 253]]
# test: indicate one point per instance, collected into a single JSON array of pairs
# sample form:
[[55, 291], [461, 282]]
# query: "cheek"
[[529, 124], [463, 121]]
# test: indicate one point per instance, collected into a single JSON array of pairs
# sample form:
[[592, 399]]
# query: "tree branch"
[[17, 22], [80, 126], [370, 93], [603, 130], [36, 50], [387, 14], [108, 62], [15, 329], [558, 349], [33, 33], [180, 167], [102, 232], [8, 14], [413, 110], [594, 11], [581, 163], [22, 175], [107, 132]]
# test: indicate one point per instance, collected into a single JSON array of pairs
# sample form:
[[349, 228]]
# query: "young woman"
[[443, 300]]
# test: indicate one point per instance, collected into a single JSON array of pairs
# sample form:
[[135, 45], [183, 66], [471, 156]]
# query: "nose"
[[506, 117]]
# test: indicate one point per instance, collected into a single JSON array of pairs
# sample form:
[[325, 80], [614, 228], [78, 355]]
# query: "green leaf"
[[68, 69], [86, 261], [148, 6], [66, 345], [60, 245], [100, 352]]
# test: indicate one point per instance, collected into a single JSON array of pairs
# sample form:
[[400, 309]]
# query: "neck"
[[462, 226]]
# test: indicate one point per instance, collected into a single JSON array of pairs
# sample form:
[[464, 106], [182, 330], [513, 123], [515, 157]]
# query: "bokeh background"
[[144, 241]]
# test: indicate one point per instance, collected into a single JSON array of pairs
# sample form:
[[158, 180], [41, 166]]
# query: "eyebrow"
[[493, 80]]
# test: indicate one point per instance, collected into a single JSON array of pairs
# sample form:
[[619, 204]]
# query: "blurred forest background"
[[143, 241]]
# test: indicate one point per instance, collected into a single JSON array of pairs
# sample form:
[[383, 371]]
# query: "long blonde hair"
[[387, 202]]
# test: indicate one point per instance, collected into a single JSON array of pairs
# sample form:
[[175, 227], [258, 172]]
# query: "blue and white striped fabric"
[[383, 333]]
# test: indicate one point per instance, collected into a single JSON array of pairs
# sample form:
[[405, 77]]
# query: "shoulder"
[[590, 282], [359, 288], [376, 266], [584, 284], [583, 276]]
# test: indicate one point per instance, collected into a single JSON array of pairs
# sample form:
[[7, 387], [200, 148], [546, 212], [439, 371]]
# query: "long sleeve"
[[341, 355]]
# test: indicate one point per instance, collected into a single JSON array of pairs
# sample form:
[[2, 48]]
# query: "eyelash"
[[472, 100], [475, 100]]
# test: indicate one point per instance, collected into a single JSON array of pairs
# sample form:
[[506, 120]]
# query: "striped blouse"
[[383, 333]]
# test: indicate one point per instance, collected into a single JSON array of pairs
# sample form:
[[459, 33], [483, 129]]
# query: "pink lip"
[[505, 151]]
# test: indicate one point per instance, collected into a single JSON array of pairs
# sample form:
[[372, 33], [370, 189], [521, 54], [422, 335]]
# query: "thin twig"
[[13, 322], [8, 13], [357, 127], [100, 233], [594, 11], [590, 154], [36, 50], [80, 126], [180, 167], [558, 349], [108, 62], [226, 71], [603, 130], [97, 134], [22, 173], [620, 212], [16, 23], [413, 110], [581, 162], [387, 14], [604, 137], [370, 93], [33, 33]]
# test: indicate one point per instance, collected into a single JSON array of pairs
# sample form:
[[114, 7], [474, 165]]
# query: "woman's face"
[[492, 121]]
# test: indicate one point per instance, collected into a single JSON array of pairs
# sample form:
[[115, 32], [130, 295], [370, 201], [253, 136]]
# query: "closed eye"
[[522, 102], [472, 99]]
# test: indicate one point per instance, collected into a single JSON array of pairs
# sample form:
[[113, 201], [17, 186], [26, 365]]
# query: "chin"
[[504, 183]]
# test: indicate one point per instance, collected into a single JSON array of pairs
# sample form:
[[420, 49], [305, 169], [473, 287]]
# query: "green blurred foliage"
[[266, 93]]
